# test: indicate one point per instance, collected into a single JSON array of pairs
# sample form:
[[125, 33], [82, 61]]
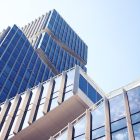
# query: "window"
[[83, 84], [70, 77], [117, 110], [54, 103], [97, 133], [120, 135], [118, 125], [79, 127], [68, 95], [135, 118], [57, 83], [62, 136], [134, 99], [89, 90], [136, 129], [81, 137], [98, 118]]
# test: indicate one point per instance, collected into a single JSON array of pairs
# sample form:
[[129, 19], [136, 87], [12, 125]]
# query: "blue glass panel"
[[134, 99], [120, 135], [98, 114], [98, 133], [81, 137], [117, 110], [136, 129], [63, 136], [92, 94], [118, 125], [83, 84], [79, 127], [135, 118]]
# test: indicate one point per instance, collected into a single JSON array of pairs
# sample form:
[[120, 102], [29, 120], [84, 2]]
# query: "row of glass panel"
[[119, 130], [64, 33], [89, 90], [53, 100], [20, 66], [60, 58]]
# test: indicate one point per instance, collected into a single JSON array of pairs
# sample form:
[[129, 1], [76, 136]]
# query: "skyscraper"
[[67, 106], [37, 53]]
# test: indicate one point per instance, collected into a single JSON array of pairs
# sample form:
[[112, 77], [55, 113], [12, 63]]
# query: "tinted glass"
[[81, 137], [98, 114], [79, 127], [118, 125], [135, 118], [117, 109], [98, 133], [63, 136], [136, 129], [134, 99], [120, 135], [83, 84]]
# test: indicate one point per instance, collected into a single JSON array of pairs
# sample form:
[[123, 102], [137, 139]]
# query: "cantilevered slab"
[[54, 120]]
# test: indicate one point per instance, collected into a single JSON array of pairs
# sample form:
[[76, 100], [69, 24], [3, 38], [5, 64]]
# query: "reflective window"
[[117, 110], [120, 135], [45, 89], [136, 129], [70, 77], [102, 138], [89, 90], [118, 125], [79, 127], [135, 118], [54, 103], [98, 114], [98, 133], [68, 95], [57, 83], [25, 124], [134, 99], [81, 137], [55, 94], [34, 91], [40, 112], [83, 84], [68, 88], [62, 136]]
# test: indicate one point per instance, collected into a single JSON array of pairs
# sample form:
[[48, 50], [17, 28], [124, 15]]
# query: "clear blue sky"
[[110, 28]]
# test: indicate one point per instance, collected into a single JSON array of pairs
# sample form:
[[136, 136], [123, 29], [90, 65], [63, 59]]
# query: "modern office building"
[[40, 50], [58, 103], [71, 106]]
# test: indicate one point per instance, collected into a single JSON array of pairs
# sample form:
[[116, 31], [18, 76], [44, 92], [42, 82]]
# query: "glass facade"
[[38, 101], [23, 66], [59, 57], [58, 26], [117, 115], [76, 109], [20, 66]]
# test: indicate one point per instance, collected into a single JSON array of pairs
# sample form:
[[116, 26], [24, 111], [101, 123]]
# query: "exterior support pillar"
[[88, 125], [128, 118], [4, 112], [22, 109], [62, 88], [35, 104], [70, 132], [107, 120], [48, 96], [7, 124]]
